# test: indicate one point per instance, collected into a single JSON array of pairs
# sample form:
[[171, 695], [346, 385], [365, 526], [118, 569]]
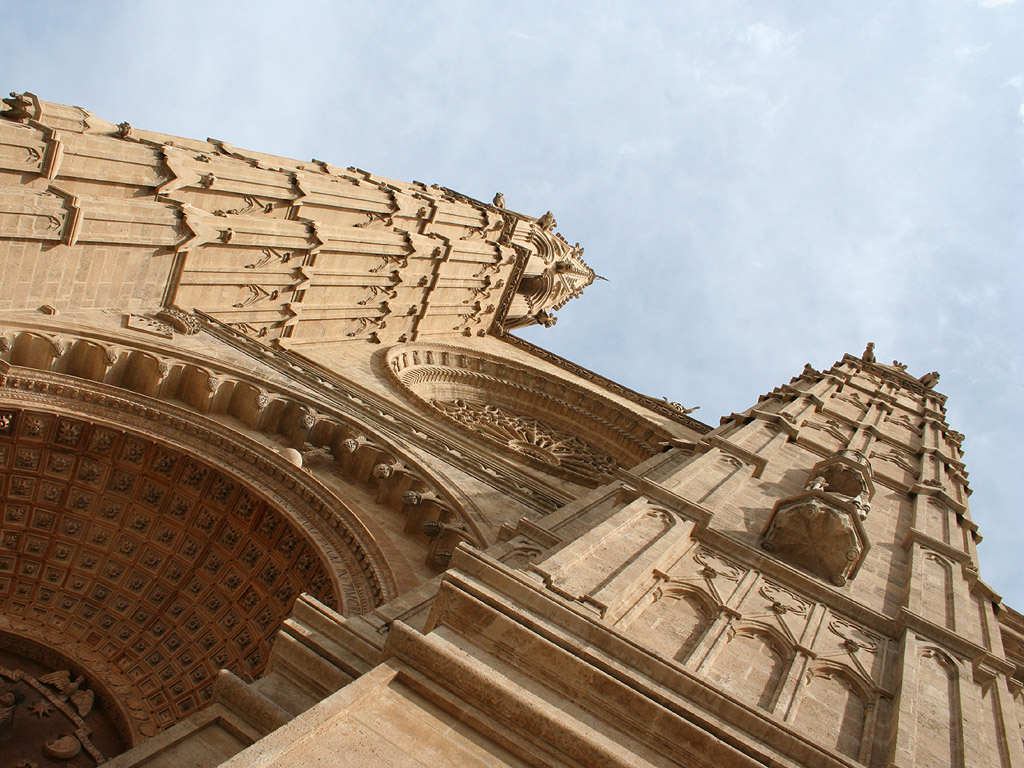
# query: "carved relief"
[[781, 600], [256, 295], [181, 321], [831, 427], [853, 398], [719, 575], [845, 473], [818, 532], [854, 638], [848, 644], [50, 717], [149, 325], [270, 254], [545, 421], [713, 565], [902, 420], [896, 457], [530, 437]]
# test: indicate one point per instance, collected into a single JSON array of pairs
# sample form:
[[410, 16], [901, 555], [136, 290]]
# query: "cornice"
[[396, 423], [890, 374]]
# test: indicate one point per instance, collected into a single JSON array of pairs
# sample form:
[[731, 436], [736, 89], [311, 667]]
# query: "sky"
[[763, 184]]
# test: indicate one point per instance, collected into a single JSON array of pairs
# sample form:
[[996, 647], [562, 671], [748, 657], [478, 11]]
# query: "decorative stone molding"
[[820, 533], [547, 423], [277, 413], [333, 526], [349, 402], [898, 376], [181, 321], [143, 551], [530, 437], [847, 474]]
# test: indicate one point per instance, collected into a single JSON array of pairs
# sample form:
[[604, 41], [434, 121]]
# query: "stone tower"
[[279, 486]]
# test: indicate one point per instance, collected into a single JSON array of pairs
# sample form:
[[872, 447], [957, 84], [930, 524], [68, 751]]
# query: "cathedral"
[[279, 485]]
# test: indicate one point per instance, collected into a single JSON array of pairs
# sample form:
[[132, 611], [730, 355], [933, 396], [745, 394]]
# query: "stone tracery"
[[537, 419], [530, 437]]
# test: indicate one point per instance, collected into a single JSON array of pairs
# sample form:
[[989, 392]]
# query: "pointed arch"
[[750, 662], [833, 705], [674, 620]]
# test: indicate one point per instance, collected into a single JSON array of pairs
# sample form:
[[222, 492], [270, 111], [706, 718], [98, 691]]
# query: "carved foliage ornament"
[[530, 437], [549, 422]]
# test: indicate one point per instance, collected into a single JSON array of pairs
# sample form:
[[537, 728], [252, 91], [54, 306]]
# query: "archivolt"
[[443, 379], [286, 417]]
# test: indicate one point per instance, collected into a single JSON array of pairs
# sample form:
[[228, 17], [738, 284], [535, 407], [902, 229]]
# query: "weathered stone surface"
[[227, 378]]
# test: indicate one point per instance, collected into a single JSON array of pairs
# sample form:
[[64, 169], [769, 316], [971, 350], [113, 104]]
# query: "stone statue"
[[679, 407], [546, 319]]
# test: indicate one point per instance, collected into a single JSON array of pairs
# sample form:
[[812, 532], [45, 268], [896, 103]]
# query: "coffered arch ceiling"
[[250, 404], [155, 547], [529, 416]]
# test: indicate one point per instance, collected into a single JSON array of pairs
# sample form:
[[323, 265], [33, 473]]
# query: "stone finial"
[[869, 353], [499, 200], [930, 379]]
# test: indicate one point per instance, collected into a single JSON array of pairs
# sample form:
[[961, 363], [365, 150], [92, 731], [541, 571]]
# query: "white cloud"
[[1021, 112], [966, 52], [994, 3], [767, 39]]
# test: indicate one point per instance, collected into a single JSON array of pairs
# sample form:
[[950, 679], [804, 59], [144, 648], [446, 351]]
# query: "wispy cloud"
[[967, 52], [764, 190], [765, 38]]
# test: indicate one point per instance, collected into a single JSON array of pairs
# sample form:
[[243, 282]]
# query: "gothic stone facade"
[[279, 487]]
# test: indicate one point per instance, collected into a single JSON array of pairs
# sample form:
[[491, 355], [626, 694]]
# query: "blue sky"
[[764, 184]]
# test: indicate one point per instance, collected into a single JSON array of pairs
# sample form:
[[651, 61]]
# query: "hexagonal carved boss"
[[819, 533]]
